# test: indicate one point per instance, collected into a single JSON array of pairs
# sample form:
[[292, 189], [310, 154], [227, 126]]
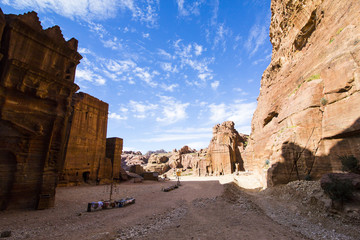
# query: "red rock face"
[[223, 154], [113, 151], [309, 104], [37, 71], [85, 159]]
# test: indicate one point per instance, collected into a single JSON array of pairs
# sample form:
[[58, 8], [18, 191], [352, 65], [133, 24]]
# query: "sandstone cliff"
[[309, 104], [224, 151], [85, 158], [37, 70]]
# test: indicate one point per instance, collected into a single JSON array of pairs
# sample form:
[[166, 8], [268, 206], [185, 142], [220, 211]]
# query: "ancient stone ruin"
[[48, 134], [309, 104], [224, 151], [85, 159], [37, 72]]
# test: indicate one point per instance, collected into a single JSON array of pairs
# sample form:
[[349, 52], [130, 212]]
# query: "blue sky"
[[169, 69]]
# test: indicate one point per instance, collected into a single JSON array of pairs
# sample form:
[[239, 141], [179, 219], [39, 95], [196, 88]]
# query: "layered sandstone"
[[85, 159], [309, 104], [224, 151], [37, 69]]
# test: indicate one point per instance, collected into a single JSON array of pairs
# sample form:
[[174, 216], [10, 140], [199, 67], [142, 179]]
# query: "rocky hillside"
[[309, 104], [130, 158], [186, 158]]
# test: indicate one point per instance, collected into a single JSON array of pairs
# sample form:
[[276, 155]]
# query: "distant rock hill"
[[223, 156]]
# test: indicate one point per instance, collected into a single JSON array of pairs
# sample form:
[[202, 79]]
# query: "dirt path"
[[196, 210], [229, 216]]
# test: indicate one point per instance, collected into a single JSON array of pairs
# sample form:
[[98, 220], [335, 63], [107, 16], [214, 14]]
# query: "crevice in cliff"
[[344, 97], [309, 107], [305, 33], [270, 117], [351, 134]]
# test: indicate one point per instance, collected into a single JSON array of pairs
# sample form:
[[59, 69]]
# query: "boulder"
[[352, 178]]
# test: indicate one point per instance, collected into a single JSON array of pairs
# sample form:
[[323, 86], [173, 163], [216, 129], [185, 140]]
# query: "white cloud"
[[114, 43], [87, 10], [172, 110], [188, 130], [145, 11], [98, 29], [185, 53], [116, 116], [129, 149], [220, 36], [177, 137], [141, 109], [144, 75], [187, 9], [164, 53], [239, 112], [84, 51], [84, 9], [242, 92], [198, 49], [146, 35], [215, 85], [167, 67], [198, 145], [88, 75], [205, 76], [215, 12], [257, 37], [120, 66], [169, 88]]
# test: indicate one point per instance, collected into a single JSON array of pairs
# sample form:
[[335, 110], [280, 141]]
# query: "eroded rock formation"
[[158, 162], [224, 151], [130, 158], [37, 72], [309, 104], [186, 159]]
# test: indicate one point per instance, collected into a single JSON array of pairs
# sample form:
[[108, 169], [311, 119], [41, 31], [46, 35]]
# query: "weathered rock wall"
[[309, 104], [37, 69], [85, 159], [114, 148], [224, 151]]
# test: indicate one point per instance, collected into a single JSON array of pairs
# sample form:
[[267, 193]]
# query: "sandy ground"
[[212, 209]]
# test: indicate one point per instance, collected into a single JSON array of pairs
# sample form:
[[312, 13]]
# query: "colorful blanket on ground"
[[92, 206]]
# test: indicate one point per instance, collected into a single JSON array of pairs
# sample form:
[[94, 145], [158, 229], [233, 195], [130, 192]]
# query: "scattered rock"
[[5, 234]]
